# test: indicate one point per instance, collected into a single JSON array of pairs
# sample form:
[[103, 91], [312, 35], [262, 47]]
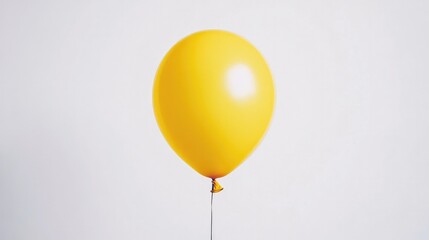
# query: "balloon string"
[[211, 216], [216, 187]]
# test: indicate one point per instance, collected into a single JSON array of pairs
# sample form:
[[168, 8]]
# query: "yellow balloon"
[[213, 99]]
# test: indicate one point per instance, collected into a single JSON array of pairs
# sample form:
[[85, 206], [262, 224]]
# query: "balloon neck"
[[216, 187]]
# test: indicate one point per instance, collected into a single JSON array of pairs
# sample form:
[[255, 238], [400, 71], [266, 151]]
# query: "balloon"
[[213, 99]]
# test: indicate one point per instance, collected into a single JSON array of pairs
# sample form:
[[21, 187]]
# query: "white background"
[[346, 156]]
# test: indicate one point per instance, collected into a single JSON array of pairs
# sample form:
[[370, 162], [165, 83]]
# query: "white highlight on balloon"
[[240, 81]]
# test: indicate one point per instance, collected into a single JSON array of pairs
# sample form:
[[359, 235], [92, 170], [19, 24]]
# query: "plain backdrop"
[[346, 155]]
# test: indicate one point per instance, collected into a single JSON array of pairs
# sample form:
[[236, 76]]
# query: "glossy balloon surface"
[[213, 99]]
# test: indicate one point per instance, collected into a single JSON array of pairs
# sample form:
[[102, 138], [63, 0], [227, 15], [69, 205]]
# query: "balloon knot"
[[216, 187]]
